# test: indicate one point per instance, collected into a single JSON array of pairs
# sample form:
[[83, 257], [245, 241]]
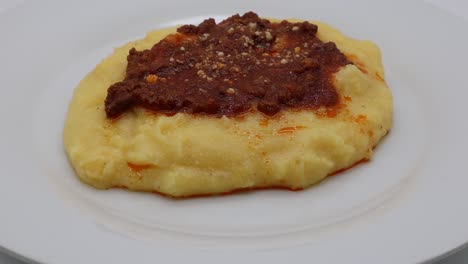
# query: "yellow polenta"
[[184, 155]]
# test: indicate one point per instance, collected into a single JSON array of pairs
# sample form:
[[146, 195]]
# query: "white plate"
[[407, 205]]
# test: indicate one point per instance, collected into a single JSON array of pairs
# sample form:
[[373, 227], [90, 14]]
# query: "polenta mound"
[[188, 154]]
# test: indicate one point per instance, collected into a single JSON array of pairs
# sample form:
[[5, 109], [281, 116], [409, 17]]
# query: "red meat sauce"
[[241, 64]]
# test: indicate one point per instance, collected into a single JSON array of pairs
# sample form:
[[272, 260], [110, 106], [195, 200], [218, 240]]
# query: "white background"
[[457, 7]]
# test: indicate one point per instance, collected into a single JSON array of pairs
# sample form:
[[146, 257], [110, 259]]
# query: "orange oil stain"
[[332, 112], [289, 130], [379, 77], [263, 122], [354, 59], [137, 167], [257, 136], [362, 68], [347, 168], [360, 119]]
